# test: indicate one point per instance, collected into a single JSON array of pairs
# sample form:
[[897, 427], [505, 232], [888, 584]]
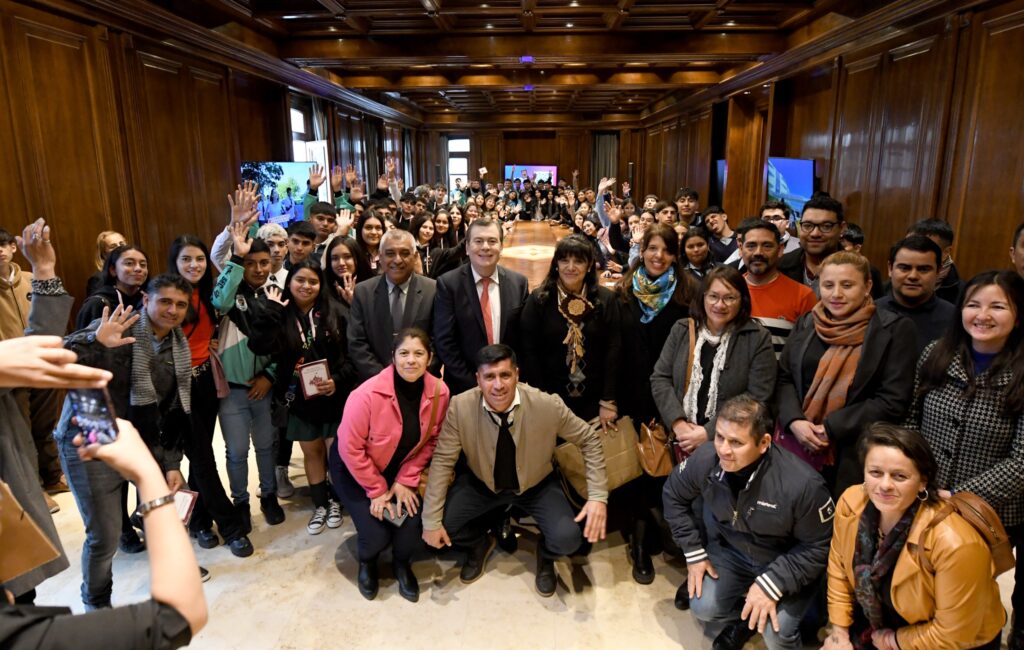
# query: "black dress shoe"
[[682, 597], [733, 637], [241, 546], [369, 582], [546, 581], [475, 561], [408, 585], [130, 542], [643, 568], [273, 513], [206, 538], [245, 515]]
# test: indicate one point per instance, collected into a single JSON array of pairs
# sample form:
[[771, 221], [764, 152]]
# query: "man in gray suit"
[[384, 305]]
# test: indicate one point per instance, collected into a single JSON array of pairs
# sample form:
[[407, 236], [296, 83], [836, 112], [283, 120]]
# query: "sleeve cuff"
[[51, 287], [696, 555], [768, 586]]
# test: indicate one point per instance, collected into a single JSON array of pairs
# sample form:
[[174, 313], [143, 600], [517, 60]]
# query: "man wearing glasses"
[[778, 214]]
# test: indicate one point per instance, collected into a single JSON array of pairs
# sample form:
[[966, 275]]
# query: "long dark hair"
[[110, 264], [731, 277], [956, 343], [368, 214], [447, 240], [205, 285], [685, 288], [572, 246], [325, 308], [363, 270]]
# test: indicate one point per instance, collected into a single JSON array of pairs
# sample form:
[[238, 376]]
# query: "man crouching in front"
[[507, 432], [769, 524]]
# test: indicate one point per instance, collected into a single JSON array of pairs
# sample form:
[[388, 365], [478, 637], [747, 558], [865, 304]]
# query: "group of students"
[[838, 409]]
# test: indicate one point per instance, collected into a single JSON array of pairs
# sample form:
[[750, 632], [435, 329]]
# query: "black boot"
[[369, 582], [733, 637], [476, 559], [643, 568], [682, 597], [245, 516], [546, 581], [273, 513], [408, 586]]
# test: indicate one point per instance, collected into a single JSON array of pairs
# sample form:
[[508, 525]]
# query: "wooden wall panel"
[[744, 156], [986, 199], [856, 137], [61, 118], [574, 149], [695, 154], [531, 148], [260, 117], [808, 111], [217, 161], [653, 148], [486, 149]]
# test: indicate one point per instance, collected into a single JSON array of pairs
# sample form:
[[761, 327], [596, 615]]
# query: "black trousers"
[[469, 500], [213, 503], [1016, 534], [372, 534]]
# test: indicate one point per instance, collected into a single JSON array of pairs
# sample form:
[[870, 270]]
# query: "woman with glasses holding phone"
[[844, 366]]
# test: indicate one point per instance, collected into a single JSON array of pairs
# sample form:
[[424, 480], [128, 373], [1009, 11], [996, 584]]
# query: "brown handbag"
[[657, 452], [979, 514]]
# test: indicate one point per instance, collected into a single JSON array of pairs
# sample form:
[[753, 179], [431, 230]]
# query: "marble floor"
[[298, 591]]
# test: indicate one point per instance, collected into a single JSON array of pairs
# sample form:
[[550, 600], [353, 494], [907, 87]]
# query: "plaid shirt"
[[977, 447]]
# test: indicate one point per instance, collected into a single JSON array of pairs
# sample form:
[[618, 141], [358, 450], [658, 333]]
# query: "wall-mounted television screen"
[[791, 180], [547, 173], [282, 189]]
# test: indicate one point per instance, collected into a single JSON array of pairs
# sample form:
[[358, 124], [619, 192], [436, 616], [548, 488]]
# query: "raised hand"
[[35, 245], [575, 173], [625, 188], [113, 326], [390, 165], [614, 214], [350, 175], [344, 222], [605, 184], [356, 192], [243, 204], [382, 183], [274, 294], [240, 236], [317, 176], [347, 289], [337, 177]]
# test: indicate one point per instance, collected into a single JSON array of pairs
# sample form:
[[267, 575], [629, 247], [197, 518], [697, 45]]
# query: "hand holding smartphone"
[[93, 413]]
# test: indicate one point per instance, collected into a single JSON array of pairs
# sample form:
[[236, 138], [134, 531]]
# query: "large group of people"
[[820, 420]]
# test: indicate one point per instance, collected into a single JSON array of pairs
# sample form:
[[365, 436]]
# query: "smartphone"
[[94, 415], [396, 521]]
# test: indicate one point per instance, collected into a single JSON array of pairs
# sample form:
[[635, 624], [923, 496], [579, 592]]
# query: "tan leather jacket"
[[956, 606], [541, 418]]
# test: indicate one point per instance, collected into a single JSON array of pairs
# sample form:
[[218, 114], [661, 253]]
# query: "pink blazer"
[[371, 427]]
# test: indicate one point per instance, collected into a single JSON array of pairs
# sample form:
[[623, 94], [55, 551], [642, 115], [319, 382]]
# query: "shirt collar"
[[477, 277], [511, 409], [404, 286]]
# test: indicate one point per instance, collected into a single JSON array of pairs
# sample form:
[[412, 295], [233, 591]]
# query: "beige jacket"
[[956, 606], [14, 303], [540, 419]]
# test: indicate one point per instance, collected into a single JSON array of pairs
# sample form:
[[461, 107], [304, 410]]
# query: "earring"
[[923, 498]]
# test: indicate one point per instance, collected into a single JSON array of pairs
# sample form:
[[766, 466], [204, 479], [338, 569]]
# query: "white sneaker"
[[334, 517], [285, 489], [317, 521]]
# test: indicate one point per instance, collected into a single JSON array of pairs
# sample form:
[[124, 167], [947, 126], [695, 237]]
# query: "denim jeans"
[[241, 418], [97, 491], [721, 600]]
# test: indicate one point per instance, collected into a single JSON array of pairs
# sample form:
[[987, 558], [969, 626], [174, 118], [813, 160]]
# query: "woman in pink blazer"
[[386, 438]]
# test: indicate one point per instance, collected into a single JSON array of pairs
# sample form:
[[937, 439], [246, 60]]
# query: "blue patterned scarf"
[[653, 295]]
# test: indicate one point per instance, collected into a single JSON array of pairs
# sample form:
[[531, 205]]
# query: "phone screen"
[[94, 415]]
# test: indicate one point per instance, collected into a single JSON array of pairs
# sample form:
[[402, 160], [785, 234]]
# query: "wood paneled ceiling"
[[493, 57]]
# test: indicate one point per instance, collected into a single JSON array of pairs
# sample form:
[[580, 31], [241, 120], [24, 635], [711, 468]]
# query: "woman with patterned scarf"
[[653, 295], [898, 577], [732, 355], [571, 334], [845, 365]]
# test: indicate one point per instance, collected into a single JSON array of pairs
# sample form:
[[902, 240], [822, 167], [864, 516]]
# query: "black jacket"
[[641, 346], [881, 388], [782, 519], [105, 296]]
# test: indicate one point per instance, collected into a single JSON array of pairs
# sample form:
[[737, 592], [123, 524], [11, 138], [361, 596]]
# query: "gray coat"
[[49, 315], [750, 368]]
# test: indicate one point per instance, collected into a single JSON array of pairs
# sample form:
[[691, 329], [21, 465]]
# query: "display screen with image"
[[282, 189], [791, 180], [547, 173]]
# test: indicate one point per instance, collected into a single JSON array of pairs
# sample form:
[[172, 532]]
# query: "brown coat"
[[540, 419], [14, 303], [956, 606]]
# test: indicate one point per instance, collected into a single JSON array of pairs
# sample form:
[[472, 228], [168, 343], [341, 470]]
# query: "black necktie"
[[505, 476]]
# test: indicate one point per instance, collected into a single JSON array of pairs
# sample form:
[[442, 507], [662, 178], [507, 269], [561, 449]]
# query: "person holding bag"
[[386, 439]]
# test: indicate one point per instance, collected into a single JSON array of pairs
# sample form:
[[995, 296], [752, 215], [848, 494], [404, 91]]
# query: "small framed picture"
[[312, 375], [483, 171]]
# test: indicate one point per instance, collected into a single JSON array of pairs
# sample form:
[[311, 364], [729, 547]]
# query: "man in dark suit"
[[460, 329], [397, 294]]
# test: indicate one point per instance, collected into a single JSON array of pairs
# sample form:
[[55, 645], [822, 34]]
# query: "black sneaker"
[[206, 538], [733, 637], [241, 546], [204, 575], [473, 568], [130, 542], [272, 510]]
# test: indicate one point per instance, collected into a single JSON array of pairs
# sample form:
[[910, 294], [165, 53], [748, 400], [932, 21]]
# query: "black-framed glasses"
[[825, 227]]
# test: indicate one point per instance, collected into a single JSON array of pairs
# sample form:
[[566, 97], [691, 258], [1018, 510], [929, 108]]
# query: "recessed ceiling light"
[[731, 23], [485, 6], [490, 26], [766, 86], [574, 4], [569, 25]]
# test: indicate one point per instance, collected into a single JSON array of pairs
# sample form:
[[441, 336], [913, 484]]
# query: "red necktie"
[[485, 307]]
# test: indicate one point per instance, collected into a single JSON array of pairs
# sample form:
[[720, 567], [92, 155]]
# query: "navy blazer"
[[370, 329], [459, 324]]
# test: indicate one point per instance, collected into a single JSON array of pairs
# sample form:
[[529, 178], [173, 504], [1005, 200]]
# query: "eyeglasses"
[[728, 300], [776, 217], [825, 228]]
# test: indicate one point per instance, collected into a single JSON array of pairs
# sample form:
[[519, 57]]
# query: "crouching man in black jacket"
[[768, 518]]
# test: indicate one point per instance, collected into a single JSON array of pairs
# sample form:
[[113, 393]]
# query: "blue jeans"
[[97, 491], [721, 600], [241, 417]]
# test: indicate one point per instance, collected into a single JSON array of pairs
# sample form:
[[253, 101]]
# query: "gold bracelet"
[[150, 506]]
